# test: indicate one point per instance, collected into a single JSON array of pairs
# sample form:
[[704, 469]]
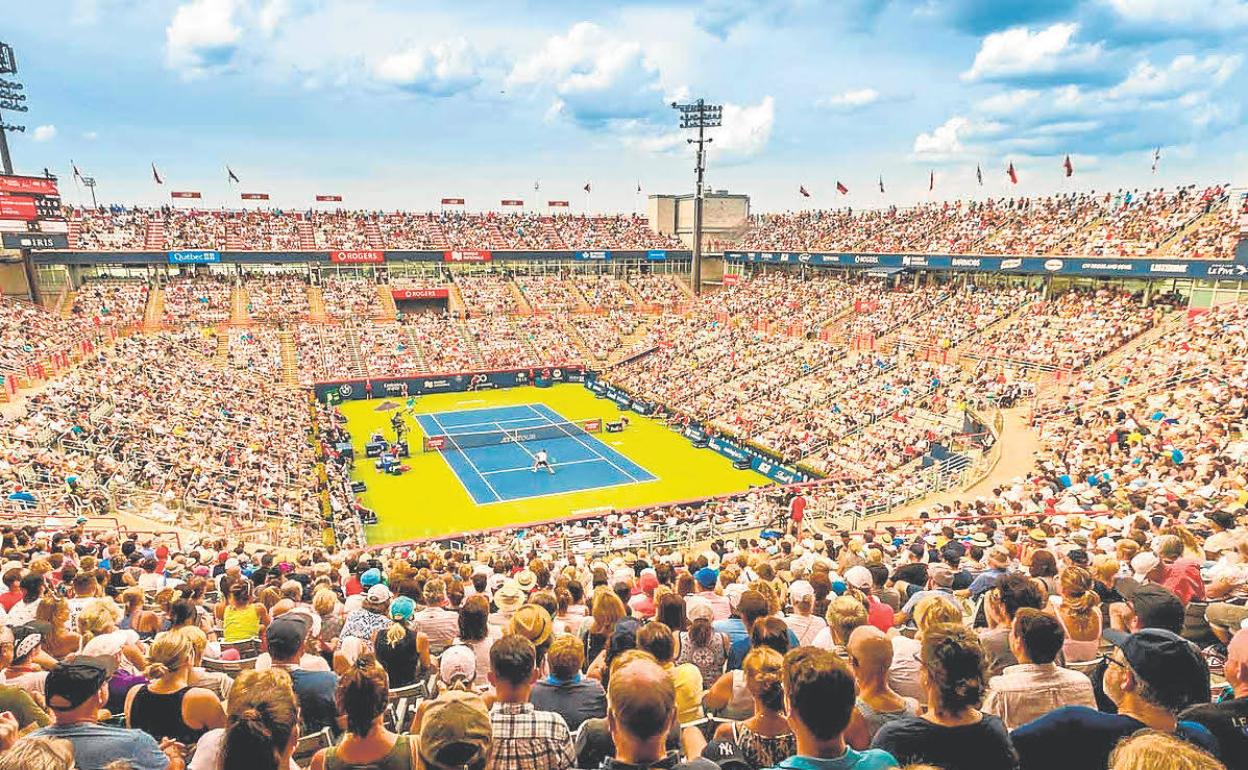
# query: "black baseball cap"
[[287, 633], [727, 755], [1154, 606], [1169, 664], [71, 682]]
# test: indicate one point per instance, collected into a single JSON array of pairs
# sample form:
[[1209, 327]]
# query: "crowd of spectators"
[[120, 302], [351, 298], [602, 290], [29, 334], [202, 299], [548, 292], [658, 289], [276, 296], [487, 293], [785, 298], [114, 228]]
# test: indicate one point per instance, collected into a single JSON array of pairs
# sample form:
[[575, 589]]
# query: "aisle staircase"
[[496, 240], [290, 357], [455, 304], [1168, 246], [358, 369], [522, 302], [154, 313], [683, 283], [154, 238], [553, 239], [307, 237], [440, 241], [373, 233], [413, 346], [469, 340], [388, 311], [578, 342], [238, 306], [222, 358], [316, 305], [581, 302], [233, 237], [632, 293], [66, 307], [72, 230]]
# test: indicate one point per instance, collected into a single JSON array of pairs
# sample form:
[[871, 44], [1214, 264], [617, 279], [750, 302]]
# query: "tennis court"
[[502, 469]]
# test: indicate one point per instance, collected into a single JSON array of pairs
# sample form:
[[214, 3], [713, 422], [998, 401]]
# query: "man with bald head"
[[1228, 719], [641, 708], [870, 657]]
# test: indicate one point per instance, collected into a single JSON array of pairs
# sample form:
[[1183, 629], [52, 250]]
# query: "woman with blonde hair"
[[261, 726], [845, 613], [1077, 609], [1154, 750], [59, 641], [98, 625], [32, 753], [931, 611], [764, 738], [167, 706]]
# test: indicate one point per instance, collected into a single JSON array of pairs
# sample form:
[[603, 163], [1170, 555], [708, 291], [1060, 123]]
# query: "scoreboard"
[[26, 202]]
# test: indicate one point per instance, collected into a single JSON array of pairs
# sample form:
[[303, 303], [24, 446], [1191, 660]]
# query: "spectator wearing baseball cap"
[[401, 651], [1152, 676], [372, 616], [566, 691], [707, 579], [76, 691], [641, 604], [457, 667], [314, 689], [802, 621], [455, 732]]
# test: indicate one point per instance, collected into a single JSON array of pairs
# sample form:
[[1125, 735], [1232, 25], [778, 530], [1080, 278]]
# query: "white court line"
[[497, 497], [490, 422], [557, 465], [578, 440], [572, 491]]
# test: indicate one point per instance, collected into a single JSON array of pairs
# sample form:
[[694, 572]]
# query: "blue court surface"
[[504, 471]]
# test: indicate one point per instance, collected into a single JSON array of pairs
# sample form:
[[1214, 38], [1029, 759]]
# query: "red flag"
[[802, 189], [1012, 174], [931, 181], [156, 175], [842, 189], [1070, 169]]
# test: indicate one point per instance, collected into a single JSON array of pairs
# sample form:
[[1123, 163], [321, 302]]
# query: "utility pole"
[[11, 98], [701, 116]]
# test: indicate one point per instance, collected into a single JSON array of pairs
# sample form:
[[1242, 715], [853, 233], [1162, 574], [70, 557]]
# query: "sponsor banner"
[[255, 196], [36, 241], [1140, 268], [18, 207], [452, 201], [512, 202], [593, 255], [357, 257], [186, 194], [401, 387], [402, 294], [557, 204], [467, 255], [329, 199], [194, 257], [656, 255], [28, 185]]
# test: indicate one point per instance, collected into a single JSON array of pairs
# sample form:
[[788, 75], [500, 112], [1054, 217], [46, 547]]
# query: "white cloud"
[[1185, 74], [853, 99], [746, 129], [272, 14], [443, 69], [90, 136], [944, 142], [597, 79], [1019, 53], [204, 35], [44, 133]]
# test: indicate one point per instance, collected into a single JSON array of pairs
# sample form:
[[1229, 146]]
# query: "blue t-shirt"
[[741, 647], [315, 691], [871, 759], [96, 745], [1080, 738]]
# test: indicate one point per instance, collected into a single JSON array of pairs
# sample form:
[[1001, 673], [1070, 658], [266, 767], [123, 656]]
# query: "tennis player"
[[542, 460]]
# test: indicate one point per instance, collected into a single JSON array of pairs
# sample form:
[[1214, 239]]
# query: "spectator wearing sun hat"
[[507, 599], [535, 624]]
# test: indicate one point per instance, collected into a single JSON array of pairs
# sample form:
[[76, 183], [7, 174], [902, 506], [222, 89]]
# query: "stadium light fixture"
[[10, 100], [698, 116]]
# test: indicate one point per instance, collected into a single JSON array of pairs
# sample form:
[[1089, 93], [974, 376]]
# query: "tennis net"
[[548, 432]]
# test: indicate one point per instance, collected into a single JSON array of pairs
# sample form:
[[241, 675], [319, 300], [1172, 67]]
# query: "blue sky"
[[397, 103]]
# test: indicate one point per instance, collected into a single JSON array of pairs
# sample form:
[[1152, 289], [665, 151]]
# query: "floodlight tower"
[[11, 99], [701, 116]]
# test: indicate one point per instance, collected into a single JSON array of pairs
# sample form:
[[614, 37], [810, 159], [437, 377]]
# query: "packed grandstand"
[[180, 523]]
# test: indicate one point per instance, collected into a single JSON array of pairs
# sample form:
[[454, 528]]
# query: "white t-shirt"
[[541, 456]]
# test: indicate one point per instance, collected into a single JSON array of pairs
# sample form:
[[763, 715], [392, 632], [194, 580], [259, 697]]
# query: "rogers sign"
[[401, 294], [357, 257], [471, 255]]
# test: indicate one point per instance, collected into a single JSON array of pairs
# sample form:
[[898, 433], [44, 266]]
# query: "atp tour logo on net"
[[519, 438]]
